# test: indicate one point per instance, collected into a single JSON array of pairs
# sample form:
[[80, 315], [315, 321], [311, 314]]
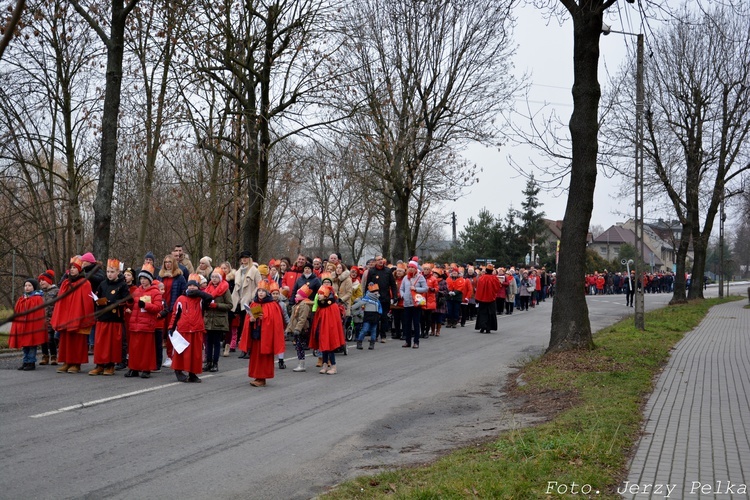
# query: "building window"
[[603, 250], [616, 251]]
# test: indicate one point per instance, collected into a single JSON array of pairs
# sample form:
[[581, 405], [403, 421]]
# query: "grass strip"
[[587, 444]]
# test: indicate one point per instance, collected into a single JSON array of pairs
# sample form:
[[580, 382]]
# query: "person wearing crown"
[[110, 310], [147, 303], [327, 332], [264, 331], [73, 318]]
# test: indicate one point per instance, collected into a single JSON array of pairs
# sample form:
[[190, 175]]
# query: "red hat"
[[48, 276], [413, 263], [88, 257]]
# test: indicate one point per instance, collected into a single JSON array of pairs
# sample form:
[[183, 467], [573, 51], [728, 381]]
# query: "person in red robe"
[[73, 318], [142, 322], [488, 286], [187, 319], [265, 335], [28, 329], [327, 332]]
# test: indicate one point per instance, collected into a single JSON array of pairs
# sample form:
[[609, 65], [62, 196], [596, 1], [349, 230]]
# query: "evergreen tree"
[[479, 238], [532, 223], [513, 245]]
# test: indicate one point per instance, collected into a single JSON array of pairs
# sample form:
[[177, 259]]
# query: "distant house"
[[608, 244], [664, 237], [551, 235]]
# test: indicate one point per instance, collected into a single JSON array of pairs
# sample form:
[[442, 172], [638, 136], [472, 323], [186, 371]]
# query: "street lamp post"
[[638, 222]]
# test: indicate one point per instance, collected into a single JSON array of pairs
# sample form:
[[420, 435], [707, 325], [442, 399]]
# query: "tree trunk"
[[699, 268], [571, 328], [678, 295], [401, 211], [108, 166]]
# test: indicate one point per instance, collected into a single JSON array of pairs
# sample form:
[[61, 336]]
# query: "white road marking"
[[89, 404]]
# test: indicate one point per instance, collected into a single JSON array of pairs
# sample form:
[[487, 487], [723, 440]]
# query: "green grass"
[[587, 444]]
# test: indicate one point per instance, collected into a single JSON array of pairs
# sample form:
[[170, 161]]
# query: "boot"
[[226, 350], [180, 376], [109, 370], [53, 360], [120, 366], [63, 368], [331, 370], [29, 367], [300, 366], [146, 374], [282, 365], [258, 382], [214, 367], [97, 371], [359, 344], [74, 369], [22, 367], [320, 362], [44, 361], [437, 329], [372, 345], [131, 374], [325, 369], [193, 378], [206, 366]]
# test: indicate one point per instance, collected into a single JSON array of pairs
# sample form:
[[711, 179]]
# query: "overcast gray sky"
[[545, 52]]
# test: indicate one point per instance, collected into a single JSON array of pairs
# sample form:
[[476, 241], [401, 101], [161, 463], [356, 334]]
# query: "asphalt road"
[[76, 436]]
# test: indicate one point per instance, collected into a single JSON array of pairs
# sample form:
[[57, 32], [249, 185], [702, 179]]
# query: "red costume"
[[141, 326], [28, 328], [73, 318], [327, 332], [188, 312], [263, 351], [488, 287]]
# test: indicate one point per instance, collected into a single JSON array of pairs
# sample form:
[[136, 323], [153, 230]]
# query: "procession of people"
[[176, 317]]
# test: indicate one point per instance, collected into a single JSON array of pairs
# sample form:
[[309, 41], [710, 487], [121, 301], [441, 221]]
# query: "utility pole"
[[453, 221], [639, 98], [722, 218]]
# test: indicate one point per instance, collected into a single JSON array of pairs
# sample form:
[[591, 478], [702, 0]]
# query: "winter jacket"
[[111, 293], [216, 317], [145, 321]]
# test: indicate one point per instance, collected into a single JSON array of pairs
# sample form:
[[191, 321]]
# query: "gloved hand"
[[212, 305], [162, 314], [451, 293], [141, 304]]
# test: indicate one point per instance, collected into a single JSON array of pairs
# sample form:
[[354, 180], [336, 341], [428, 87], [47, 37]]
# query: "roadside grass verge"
[[587, 443]]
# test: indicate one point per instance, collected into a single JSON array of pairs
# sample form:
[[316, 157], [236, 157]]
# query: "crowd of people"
[[616, 283], [170, 314]]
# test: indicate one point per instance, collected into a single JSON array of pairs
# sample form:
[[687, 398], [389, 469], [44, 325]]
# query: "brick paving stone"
[[697, 429]]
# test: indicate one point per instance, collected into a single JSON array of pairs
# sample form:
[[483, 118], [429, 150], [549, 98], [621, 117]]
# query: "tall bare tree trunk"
[[571, 328]]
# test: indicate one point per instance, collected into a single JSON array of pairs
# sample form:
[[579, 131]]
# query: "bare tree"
[[267, 57], [115, 45], [698, 121], [427, 77], [571, 328], [8, 29]]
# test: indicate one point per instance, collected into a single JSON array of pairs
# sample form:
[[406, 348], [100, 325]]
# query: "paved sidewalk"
[[696, 441]]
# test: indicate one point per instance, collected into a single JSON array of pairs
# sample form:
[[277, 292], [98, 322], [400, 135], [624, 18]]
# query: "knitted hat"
[[48, 276], [88, 257], [194, 279], [147, 272], [308, 263], [149, 255], [206, 260], [33, 282], [413, 263], [263, 270]]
